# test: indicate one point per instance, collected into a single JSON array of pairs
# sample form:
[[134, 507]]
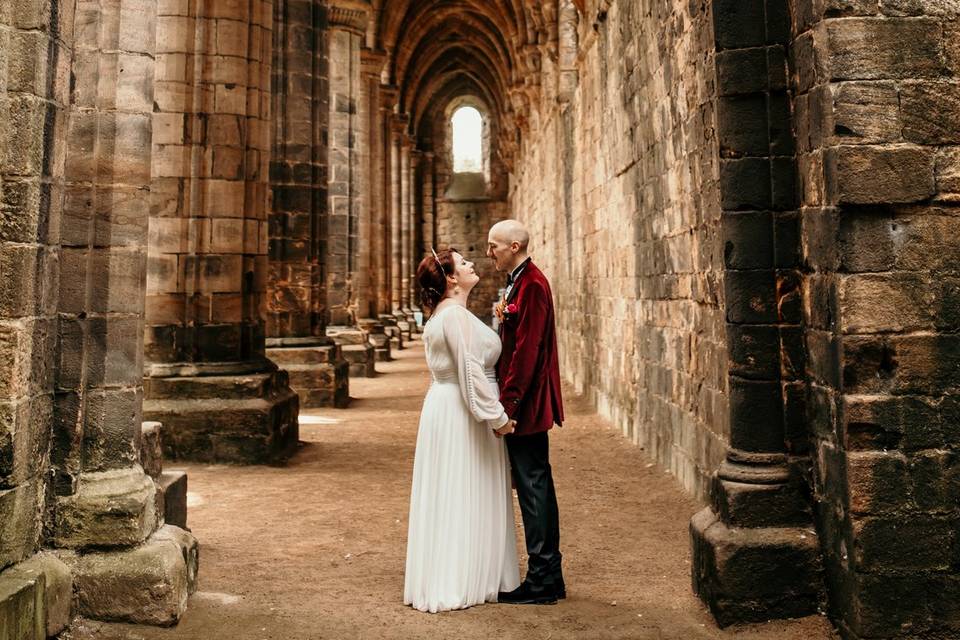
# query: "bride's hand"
[[510, 427]]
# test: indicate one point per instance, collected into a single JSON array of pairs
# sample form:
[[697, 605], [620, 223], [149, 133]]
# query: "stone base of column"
[[403, 324], [411, 314], [317, 370], [110, 508], [755, 553], [357, 350], [146, 584], [394, 334], [228, 415], [171, 495], [378, 338]]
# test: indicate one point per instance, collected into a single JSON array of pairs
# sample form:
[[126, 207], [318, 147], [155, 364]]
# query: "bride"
[[461, 541]]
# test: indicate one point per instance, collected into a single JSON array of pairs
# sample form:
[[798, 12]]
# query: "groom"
[[529, 376]]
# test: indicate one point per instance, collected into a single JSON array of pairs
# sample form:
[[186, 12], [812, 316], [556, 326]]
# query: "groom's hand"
[[510, 427]]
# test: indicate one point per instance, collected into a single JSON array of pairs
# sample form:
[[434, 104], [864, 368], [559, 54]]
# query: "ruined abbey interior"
[[211, 212]]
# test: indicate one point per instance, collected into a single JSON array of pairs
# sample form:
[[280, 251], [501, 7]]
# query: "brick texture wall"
[[34, 67], [619, 188], [878, 124]]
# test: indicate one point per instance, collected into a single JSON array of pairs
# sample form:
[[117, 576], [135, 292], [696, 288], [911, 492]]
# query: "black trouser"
[[530, 462]]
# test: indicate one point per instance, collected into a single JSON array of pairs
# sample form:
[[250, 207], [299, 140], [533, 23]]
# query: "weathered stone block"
[[746, 574], [110, 509], [904, 542], [151, 449], [866, 112], [147, 584], [931, 112], [361, 359], [756, 415], [249, 419], [57, 590], [173, 485], [868, 175], [22, 615], [20, 508], [882, 48], [878, 481]]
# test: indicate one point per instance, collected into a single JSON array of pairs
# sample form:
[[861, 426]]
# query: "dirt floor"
[[316, 549]]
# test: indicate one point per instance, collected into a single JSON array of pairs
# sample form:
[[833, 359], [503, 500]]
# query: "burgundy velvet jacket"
[[529, 369]]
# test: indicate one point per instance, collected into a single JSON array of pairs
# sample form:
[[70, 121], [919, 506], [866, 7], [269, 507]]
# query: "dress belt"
[[449, 376]]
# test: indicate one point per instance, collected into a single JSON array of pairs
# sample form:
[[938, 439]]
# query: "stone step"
[[54, 585], [284, 356], [213, 387], [253, 430], [151, 449], [173, 486]]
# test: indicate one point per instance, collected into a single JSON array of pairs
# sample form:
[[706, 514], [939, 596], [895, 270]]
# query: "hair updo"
[[432, 277]]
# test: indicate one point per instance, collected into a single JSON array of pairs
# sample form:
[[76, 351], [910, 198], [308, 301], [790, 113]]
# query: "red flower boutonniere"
[[504, 310]]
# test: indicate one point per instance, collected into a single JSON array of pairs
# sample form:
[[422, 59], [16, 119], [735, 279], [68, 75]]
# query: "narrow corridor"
[[315, 550]]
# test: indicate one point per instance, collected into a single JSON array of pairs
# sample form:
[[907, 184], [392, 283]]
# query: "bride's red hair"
[[432, 277]]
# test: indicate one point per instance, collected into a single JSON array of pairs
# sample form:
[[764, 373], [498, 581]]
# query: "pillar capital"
[[349, 15], [389, 95], [372, 61], [398, 125]]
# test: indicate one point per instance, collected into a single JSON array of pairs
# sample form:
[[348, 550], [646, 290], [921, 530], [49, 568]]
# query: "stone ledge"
[[110, 508], [754, 574], [148, 584]]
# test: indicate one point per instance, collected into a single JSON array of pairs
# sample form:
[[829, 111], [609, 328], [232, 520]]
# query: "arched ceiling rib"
[[437, 48]]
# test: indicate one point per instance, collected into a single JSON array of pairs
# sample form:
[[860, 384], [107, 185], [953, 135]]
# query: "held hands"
[[508, 428]]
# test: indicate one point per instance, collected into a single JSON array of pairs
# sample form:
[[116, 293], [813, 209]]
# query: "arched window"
[[467, 140]]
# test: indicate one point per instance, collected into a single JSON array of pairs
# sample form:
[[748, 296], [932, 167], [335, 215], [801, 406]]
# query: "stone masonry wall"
[[34, 70], [464, 221], [619, 188], [877, 109]]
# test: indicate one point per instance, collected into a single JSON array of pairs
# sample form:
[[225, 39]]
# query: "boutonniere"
[[504, 310]]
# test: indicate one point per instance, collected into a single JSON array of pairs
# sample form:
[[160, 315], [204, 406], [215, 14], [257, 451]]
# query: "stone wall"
[[619, 187], [878, 126], [35, 60], [466, 205]]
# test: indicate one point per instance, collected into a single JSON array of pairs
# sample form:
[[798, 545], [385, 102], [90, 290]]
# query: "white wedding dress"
[[461, 540]]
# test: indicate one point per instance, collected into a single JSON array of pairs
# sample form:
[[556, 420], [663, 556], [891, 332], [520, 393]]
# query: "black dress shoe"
[[528, 593]]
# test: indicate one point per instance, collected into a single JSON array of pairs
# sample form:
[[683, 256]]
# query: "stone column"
[[208, 379], [104, 503], [374, 236], [346, 256], [296, 301], [406, 146], [415, 242], [34, 99], [429, 223], [391, 169], [755, 551]]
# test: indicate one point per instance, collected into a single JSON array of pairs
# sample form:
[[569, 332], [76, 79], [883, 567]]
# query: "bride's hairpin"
[[437, 258]]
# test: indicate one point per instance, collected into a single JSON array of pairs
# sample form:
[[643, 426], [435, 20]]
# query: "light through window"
[[467, 141]]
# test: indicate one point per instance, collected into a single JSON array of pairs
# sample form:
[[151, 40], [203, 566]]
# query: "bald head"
[[509, 231], [507, 244]]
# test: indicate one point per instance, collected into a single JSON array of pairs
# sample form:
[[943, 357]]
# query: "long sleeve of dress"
[[481, 396]]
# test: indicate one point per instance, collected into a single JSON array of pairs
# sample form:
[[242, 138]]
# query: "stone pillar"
[[296, 301], [429, 222], [104, 503], [347, 270], [345, 140], [34, 95], [415, 241], [374, 237], [406, 146], [755, 552], [208, 379], [396, 133], [878, 153]]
